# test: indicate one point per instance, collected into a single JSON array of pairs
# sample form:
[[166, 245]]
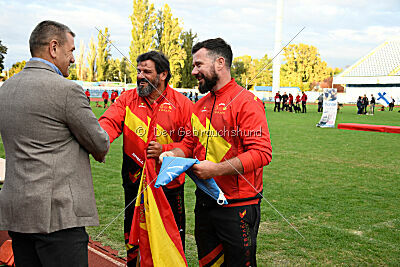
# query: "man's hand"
[[154, 149], [208, 169], [205, 169], [176, 152], [101, 159], [165, 154]]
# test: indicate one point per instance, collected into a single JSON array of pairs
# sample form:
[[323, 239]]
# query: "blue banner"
[[172, 167]]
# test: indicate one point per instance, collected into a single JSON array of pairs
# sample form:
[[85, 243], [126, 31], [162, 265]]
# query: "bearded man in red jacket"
[[228, 133], [129, 116]]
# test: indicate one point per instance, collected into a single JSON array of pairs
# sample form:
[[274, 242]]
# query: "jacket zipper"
[[209, 126]]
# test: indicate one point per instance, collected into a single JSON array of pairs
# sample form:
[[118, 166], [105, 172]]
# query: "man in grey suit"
[[48, 131]]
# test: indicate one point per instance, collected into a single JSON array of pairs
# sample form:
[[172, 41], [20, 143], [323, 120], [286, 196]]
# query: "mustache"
[[141, 80], [199, 75]]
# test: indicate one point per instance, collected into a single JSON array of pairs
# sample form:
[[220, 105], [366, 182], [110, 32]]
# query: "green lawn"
[[341, 189]]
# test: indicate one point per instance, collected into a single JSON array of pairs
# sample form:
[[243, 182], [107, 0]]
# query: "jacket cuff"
[[247, 161], [254, 159]]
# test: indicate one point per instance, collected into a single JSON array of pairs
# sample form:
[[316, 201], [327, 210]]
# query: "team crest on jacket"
[[142, 105], [166, 107], [204, 109], [220, 109]]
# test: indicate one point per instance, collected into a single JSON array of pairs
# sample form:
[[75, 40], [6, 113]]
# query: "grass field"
[[341, 189]]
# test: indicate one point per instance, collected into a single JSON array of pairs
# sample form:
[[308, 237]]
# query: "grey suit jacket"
[[48, 130]]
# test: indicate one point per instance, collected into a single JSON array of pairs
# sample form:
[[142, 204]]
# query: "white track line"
[[117, 263]]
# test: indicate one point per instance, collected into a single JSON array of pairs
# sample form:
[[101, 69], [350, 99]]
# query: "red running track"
[[369, 127]]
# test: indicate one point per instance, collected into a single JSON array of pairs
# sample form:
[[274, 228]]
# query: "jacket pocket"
[[84, 204]]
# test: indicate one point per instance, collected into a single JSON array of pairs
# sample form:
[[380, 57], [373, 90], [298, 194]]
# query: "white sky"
[[342, 30]]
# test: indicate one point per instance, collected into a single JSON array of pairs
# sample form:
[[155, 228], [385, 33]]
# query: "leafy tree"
[[80, 64], [242, 69], [118, 70], [16, 67], [113, 72], [3, 51], [72, 73], [237, 69], [187, 80], [124, 70], [249, 72], [91, 58], [264, 66], [143, 31], [159, 29], [103, 54], [334, 71], [303, 65], [171, 43]]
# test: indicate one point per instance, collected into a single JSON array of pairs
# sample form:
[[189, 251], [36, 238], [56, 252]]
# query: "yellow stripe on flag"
[[136, 125], [163, 250], [217, 145], [162, 136]]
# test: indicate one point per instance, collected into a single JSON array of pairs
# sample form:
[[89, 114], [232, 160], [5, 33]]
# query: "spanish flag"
[[153, 227]]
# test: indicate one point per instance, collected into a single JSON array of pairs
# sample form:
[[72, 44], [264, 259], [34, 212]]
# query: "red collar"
[[230, 85]]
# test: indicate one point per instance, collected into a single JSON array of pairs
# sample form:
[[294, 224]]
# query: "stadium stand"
[[376, 72], [382, 61]]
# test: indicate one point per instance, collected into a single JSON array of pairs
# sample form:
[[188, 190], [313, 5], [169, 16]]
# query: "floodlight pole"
[[278, 40]]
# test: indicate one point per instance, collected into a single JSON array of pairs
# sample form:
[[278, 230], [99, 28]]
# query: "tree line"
[[159, 30]]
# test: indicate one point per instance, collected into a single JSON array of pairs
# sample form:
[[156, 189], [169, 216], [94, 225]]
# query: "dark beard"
[[144, 91], [209, 83]]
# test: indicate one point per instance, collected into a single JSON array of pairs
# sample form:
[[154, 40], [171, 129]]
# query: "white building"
[[376, 73]]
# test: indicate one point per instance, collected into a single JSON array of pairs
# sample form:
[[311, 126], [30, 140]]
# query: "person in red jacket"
[[229, 134], [297, 106], [105, 98], [290, 102], [87, 93], [304, 103], [129, 116], [114, 96]]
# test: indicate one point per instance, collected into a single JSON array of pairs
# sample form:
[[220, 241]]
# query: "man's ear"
[[53, 46], [220, 63], [163, 75]]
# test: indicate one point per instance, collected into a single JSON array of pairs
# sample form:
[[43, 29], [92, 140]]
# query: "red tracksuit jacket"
[[130, 116], [114, 95], [238, 128]]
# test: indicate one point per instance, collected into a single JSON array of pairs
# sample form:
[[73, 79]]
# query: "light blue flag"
[[172, 167]]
